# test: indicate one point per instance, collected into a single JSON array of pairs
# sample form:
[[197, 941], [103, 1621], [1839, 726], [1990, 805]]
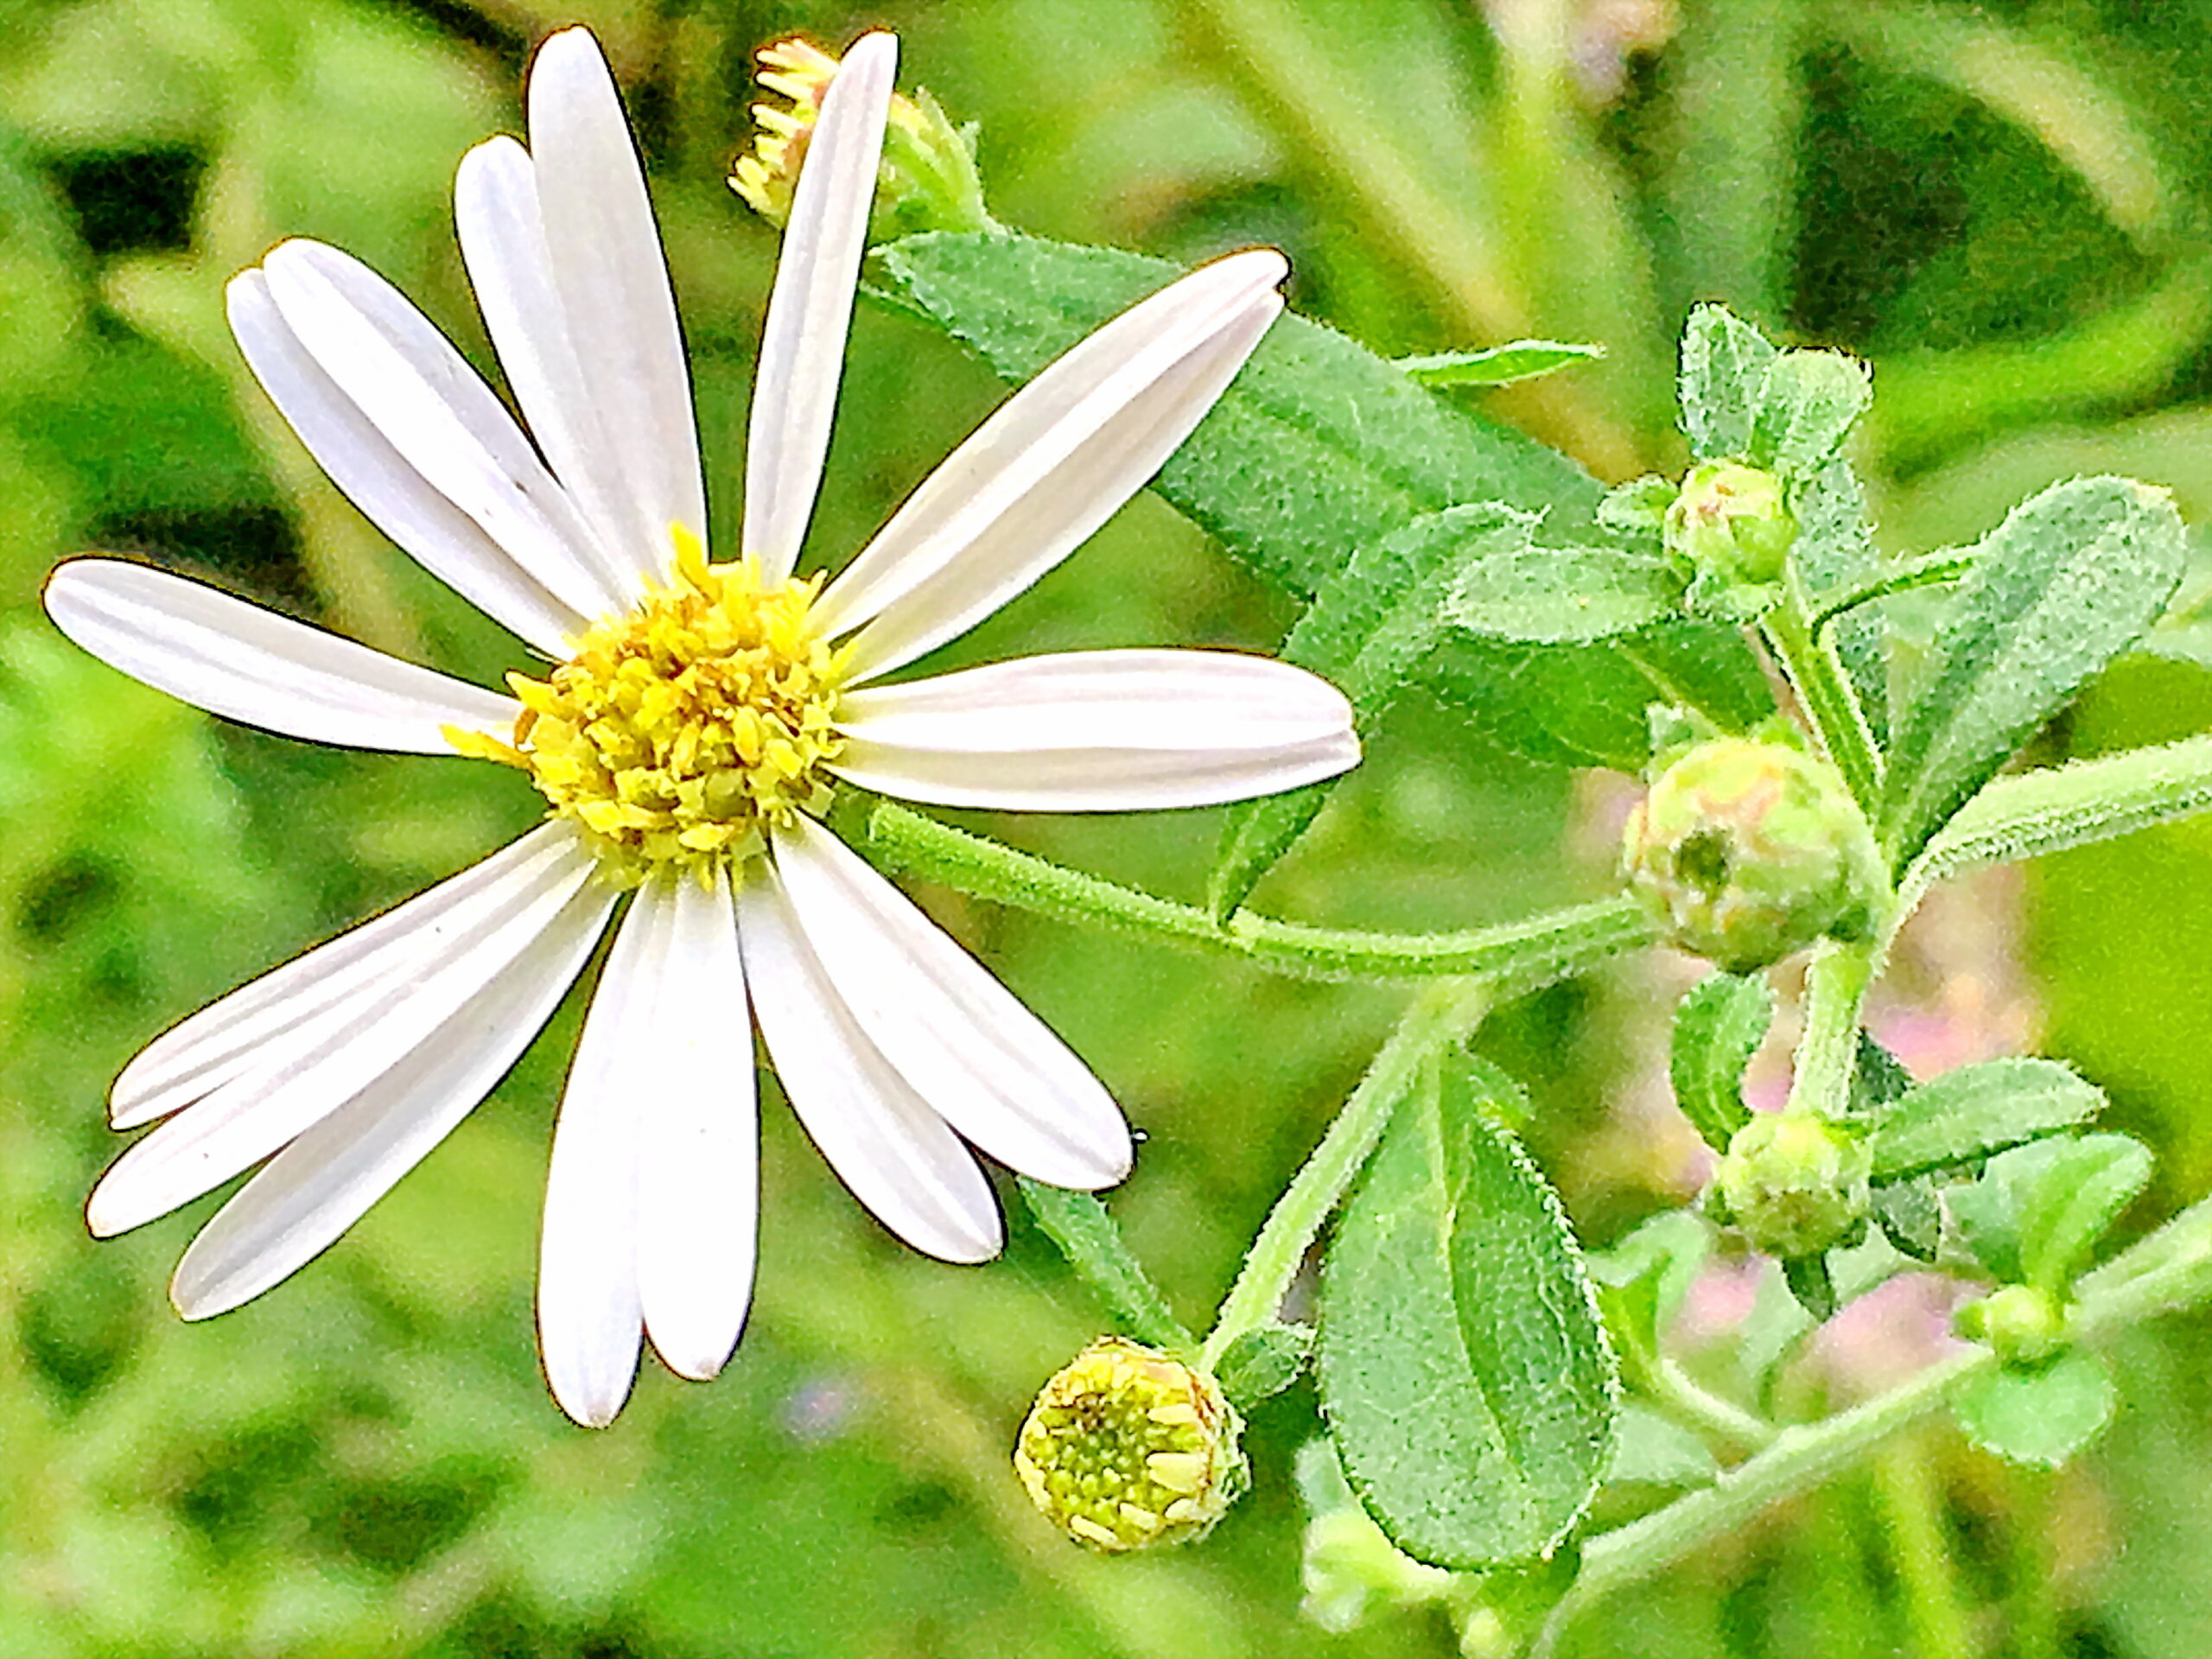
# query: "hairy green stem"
[[1441, 1015], [1825, 691], [2170, 1270], [1521, 956], [1828, 1054], [1676, 1390]]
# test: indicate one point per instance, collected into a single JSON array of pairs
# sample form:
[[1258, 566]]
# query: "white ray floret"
[[901, 1055]]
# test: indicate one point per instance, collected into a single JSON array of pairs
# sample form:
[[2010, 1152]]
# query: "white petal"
[[803, 343], [511, 266], [227, 1039], [324, 1181], [436, 411], [235, 659], [1099, 731], [698, 1178], [589, 1317], [384, 485], [984, 1063], [886, 1144], [607, 268], [1053, 464], [301, 1077]]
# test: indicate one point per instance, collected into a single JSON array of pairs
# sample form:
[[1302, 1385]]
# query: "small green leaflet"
[[1498, 366], [2068, 581], [1725, 362], [2041, 1417], [1718, 1025], [1464, 1370], [2037, 1212], [1966, 1115], [1807, 404], [1262, 1362], [1564, 596]]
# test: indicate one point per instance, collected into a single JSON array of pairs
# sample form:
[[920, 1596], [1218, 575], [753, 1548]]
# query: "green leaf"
[[1498, 366], [1813, 1285], [1088, 1236], [2041, 1417], [1564, 596], [1320, 447], [1723, 381], [2037, 1212], [1964, 1115], [1807, 404], [1657, 1451], [1639, 508], [1911, 1217], [1262, 1362], [1642, 1280], [1463, 1368], [1718, 1025], [2067, 583], [1878, 1079]]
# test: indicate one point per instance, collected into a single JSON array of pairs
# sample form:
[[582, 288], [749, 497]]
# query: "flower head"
[[696, 718], [926, 177], [1127, 1448]]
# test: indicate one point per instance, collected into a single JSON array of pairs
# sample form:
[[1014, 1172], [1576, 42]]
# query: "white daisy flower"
[[686, 741]]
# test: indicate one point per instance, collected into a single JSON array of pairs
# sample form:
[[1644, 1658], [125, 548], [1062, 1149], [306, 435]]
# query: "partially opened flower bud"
[[927, 179], [1793, 1185], [1743, 852], [1732, 520], [1127, 1448]]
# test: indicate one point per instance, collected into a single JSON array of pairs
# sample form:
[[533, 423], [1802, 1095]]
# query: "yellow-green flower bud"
[[1732, 520], [927, 180], [1743, 852], [1127, 1448], [1793, 1185], [2025, 1324]]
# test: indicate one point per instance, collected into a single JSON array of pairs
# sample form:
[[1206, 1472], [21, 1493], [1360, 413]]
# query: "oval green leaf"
[[1464, 1372]]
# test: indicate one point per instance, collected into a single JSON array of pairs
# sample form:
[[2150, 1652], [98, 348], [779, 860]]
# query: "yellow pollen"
[[679, 733]]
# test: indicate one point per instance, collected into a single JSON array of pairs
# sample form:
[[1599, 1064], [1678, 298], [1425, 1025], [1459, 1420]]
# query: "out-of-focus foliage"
[[2001, 206]]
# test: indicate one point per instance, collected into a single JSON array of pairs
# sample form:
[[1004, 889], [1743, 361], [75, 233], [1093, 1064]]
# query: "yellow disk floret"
[[678, 733]]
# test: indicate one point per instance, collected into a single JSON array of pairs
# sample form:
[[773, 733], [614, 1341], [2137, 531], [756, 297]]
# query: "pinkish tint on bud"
[[1743, 852], [1732, 520]]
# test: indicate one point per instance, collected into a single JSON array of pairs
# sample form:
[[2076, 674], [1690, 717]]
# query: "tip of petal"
[[595, 1411], [696, 1365], [877, 42], [1260, 267]]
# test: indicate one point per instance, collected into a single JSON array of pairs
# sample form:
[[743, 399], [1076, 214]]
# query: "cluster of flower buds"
[[1743, 852], [1128, 1448], [927, 181]]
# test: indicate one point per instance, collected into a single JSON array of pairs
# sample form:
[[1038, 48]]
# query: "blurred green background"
[[2003, 205]]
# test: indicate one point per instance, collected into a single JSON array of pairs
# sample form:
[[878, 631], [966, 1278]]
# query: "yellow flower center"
[[678, 735]]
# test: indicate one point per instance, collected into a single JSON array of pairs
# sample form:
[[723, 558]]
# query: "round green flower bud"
[[1732, 520], [2025, 1325], [1127, 1448], [1793, 1185], [1743, 852]]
